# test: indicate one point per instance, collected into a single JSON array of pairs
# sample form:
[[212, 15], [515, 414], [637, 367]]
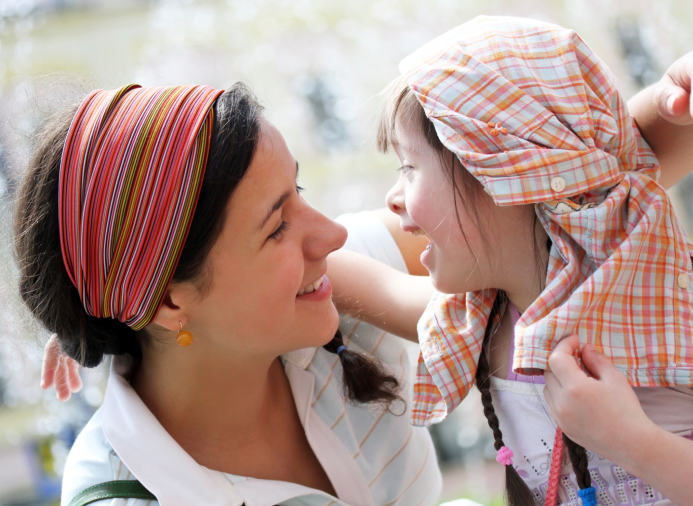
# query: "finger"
[[672, 101], [62, 390], [597, 363], [73, 379], [568, 345], [51, 352], [562, 361]]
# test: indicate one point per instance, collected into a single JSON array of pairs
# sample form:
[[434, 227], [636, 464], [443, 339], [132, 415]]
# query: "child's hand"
[[602, 412], [59, 370], [672, 92]]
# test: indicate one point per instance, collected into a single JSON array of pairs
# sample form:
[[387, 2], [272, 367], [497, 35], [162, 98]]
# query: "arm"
[[663, 113], [603, 414], [377, 293]]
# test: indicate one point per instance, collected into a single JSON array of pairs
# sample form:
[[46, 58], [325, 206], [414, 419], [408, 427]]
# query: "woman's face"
[[267, 262]]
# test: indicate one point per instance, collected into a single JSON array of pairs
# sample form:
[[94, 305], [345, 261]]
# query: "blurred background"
[[317, 66]]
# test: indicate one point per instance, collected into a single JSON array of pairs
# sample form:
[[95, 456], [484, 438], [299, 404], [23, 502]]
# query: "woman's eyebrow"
[[278, 203]]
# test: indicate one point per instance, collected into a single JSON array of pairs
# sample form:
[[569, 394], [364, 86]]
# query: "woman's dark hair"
[[402, 101], [46, 289]]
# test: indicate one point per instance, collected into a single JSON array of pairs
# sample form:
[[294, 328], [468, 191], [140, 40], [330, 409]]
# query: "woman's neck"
[[232, 415], [202, 399]]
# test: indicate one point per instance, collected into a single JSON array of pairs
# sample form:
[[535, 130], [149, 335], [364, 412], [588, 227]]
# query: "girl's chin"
[[442, 283]]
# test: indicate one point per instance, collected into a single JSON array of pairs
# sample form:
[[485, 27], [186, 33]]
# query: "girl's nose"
[[395, 198]]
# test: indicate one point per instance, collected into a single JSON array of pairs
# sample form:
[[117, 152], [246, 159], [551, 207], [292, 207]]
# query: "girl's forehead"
[[407, 137]]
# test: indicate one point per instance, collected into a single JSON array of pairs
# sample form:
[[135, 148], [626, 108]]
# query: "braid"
[[516, 490], [364, 379], [578, 457]]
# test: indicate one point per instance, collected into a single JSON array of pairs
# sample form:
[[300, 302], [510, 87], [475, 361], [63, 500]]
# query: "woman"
[[221, 300]]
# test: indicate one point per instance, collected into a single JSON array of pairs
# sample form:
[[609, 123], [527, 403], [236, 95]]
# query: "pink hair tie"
[[505, 456]]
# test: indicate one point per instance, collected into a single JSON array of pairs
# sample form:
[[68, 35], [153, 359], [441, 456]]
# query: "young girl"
[[521, 165]]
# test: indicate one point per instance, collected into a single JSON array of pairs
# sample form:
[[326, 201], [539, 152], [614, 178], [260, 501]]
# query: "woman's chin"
[[323, 328]]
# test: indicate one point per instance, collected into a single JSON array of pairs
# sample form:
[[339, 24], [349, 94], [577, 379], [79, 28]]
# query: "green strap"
[[113, 490]]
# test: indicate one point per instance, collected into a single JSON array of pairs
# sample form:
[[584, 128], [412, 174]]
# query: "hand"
[[602, 412], [59, 370], [672, 92]]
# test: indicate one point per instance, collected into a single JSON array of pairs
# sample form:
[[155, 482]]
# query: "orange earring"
[[185, 337]]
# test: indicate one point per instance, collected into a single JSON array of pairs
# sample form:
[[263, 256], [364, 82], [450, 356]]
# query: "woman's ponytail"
[[44, 284], [365, 380]]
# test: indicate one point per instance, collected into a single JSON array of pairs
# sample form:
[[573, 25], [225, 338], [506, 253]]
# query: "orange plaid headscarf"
[[537, 118]]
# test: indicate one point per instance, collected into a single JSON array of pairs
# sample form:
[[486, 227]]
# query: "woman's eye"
[[283, 227]]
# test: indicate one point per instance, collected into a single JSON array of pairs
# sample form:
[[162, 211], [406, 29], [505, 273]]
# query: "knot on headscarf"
[[537, 118], [130, 175]]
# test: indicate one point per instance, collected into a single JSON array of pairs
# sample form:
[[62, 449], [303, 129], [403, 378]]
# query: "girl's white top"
[[529, 431], [372, 457]]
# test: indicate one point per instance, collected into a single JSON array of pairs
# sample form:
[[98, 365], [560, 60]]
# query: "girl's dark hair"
[[402, 101], [516, 490], [46, 289]]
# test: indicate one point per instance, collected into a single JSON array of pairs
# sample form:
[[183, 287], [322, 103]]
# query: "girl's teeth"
[[417, 232]]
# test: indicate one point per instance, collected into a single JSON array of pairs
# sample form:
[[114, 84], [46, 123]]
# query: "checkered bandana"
[[535, 116]]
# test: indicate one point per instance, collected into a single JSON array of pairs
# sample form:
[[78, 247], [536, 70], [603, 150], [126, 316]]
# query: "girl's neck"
[[525, 270]]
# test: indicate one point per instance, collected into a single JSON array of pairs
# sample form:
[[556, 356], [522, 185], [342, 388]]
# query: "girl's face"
[[423, 198], [267, 292]]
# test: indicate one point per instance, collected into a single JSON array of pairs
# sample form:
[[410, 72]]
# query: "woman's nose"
[[327, 237], [395, 198]]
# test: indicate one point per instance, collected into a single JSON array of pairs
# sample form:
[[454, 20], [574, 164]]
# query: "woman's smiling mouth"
[[311, 287]]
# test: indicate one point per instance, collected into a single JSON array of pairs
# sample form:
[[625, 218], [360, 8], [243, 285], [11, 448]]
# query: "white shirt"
[[372, 458]]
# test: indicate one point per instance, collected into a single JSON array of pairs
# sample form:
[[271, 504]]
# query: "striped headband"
[[130, 176]]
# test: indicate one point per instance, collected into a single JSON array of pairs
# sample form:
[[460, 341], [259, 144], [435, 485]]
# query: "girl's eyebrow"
[[278, 203], [396, 144]]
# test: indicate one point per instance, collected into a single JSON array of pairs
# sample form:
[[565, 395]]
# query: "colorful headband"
[[130, 175]]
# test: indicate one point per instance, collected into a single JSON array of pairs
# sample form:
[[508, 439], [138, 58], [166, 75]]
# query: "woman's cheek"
[[284, 274]]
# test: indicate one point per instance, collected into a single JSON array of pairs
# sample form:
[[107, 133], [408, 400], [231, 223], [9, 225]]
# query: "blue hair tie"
[[341, 349], [588, 496]]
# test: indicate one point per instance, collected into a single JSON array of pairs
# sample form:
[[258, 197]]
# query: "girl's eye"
[[299, 189], [277, 234], [405, 168]]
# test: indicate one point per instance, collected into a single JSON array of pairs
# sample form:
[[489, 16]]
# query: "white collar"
[[301, 358], [153, 456], [157, 460]]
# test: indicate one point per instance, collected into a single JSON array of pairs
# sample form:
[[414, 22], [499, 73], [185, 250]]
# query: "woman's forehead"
[[271, 174]]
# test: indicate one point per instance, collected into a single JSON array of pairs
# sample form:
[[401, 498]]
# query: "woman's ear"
[[172, 314]]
